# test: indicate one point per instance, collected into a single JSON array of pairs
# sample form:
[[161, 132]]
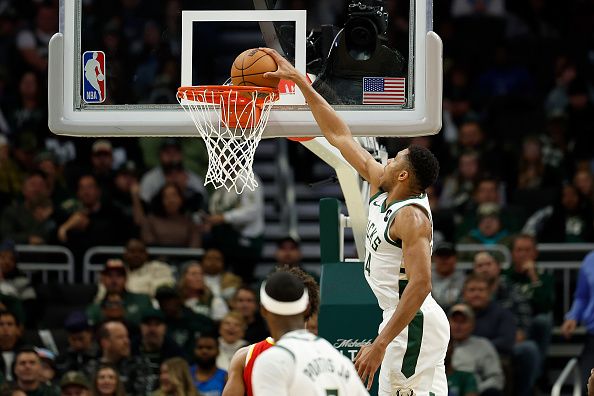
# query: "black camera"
[[364, 25]]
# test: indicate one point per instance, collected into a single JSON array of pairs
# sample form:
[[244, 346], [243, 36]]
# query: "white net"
[[231, 122]]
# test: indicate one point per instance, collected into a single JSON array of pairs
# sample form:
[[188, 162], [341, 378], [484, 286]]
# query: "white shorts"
[[414, 360]]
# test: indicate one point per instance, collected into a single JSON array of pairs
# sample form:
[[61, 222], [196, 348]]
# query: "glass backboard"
[[115, 65]]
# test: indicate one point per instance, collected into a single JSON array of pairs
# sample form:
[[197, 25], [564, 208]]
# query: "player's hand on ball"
[[367, 361], [285, 69]]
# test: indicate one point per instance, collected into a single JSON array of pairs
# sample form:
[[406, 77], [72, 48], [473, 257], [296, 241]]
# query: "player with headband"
[[239, 381], [300, 363]]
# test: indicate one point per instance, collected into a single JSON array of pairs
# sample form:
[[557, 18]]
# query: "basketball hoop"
[[231, 120]]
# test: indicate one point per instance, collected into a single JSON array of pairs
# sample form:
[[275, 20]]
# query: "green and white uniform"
[[414, 360]]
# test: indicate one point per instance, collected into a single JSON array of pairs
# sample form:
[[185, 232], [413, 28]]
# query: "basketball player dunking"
[[413, 336]]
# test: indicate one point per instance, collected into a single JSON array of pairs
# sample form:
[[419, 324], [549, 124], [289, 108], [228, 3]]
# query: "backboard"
[[115, 65]]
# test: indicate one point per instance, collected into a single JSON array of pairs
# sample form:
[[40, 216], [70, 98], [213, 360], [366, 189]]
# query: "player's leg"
[[412, 359]]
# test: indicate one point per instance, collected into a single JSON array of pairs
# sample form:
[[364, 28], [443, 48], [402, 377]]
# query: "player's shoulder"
[[413, 214], [277, 355]]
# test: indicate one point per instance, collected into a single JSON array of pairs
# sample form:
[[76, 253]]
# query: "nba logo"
[[93, 65]]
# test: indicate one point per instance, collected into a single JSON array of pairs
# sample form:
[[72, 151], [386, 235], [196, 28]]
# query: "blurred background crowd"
[[516, 170]]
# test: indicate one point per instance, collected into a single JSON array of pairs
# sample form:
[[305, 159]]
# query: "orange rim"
[[218, 94], [300, 139]]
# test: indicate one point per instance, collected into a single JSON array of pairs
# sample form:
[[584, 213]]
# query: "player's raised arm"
[[333, 127]]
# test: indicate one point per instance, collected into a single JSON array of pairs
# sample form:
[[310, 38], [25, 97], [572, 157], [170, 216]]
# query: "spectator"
[[489, 230], [197, 296], [488, 267], [47, 374], [171, 169], [458, 187], [82, 353], [154, 347], [580, 122], [460, 383], [11, 178], [47, 163], [27, 117], [113, 308], [32, 221], [246, 303], [93, 223], [169, 224], [535, 286], [114, 342], [143, 275], [591, 383], [568, 220], [474, 354], [222, 283], [10, 342], [583, 180], [288, 252], [498, 325], [107, 382], [13, 305], [535, 179], [175, 379], [208, 379], [232, 331], [446, 281], [27, 369], [33, 45], [237, 227], [125, 184], [183, 325], [75, 383], [113, 279], [102, 165], [582, 311], [14, 277], [511, 298], [18, 280], [489, 190]]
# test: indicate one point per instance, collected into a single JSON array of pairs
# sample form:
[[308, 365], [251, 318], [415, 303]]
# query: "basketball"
[[249, 67]]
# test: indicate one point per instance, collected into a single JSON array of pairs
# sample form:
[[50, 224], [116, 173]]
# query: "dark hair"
[[424, 166], [211, 335], [20, 351], [5, 312], [486, 178], [88, 175], [157, 202], [313, 290], [284, 287], [36, 173], [517, 237], [248, 289]]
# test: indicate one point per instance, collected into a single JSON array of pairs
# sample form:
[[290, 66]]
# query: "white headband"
[[283, 307]]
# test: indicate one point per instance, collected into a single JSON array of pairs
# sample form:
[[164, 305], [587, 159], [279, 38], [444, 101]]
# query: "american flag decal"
[[384, 90]]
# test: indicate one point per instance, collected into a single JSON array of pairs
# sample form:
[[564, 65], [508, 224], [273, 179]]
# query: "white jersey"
[[301, 363], [385, 269], [414, 360]]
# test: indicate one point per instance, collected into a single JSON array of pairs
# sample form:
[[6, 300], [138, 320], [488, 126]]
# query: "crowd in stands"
[[517, 169]]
